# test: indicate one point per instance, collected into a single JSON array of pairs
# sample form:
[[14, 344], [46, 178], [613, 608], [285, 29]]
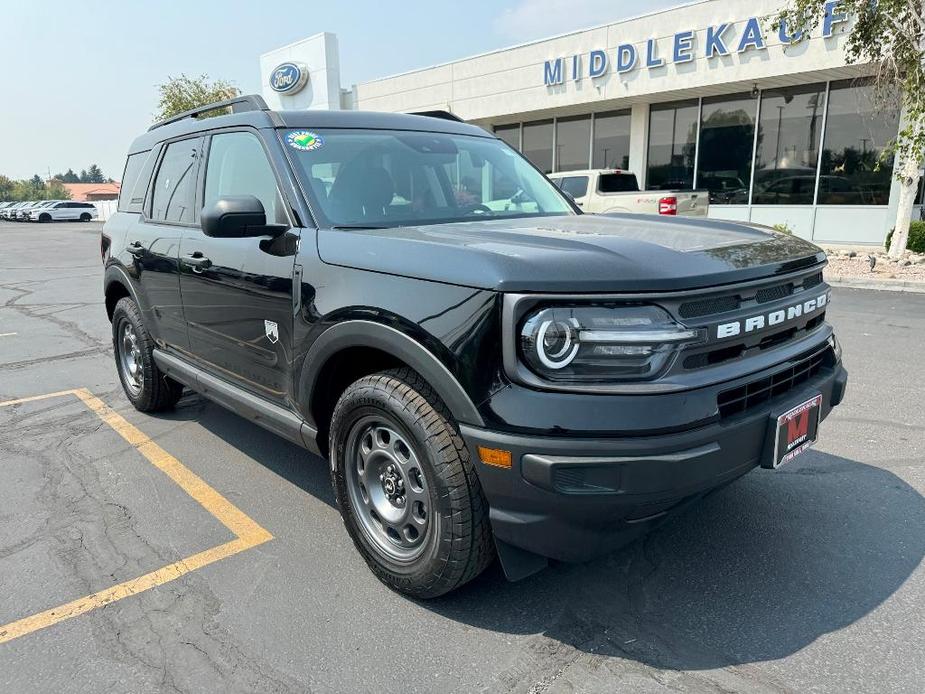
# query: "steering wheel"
[[479, 209]]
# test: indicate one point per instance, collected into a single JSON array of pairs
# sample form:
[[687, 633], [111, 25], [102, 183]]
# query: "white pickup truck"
[[613, 190]]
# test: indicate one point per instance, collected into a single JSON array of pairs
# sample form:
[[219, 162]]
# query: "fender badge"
[[272, 331]]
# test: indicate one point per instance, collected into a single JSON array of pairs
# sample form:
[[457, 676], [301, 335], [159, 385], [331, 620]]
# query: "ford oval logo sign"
[[288, 78]]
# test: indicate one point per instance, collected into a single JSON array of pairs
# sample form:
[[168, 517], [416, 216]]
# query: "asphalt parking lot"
[[195, 552]]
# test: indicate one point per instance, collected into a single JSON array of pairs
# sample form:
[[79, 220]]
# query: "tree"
[[183, 93], [83, 178], [55, 190], [67, 177], [6, 188], [889, 34], [95, 175]]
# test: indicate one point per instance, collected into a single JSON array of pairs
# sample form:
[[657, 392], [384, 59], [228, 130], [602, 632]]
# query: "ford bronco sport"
[[489, 371]]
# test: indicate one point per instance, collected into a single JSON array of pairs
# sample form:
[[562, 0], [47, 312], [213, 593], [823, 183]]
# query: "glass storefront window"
[[672, 142], [858, 129], [510, 134], [612, 140], [727, 139], [537, 144], [573, 143], [788, 145]]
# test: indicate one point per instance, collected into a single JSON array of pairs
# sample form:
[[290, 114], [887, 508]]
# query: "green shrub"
[[783, 228], [916, 237]]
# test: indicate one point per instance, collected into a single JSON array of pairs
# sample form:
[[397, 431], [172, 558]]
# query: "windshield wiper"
[[357, 226]]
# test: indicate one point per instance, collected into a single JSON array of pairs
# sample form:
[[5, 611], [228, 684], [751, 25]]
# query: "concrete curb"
[[886, 285]]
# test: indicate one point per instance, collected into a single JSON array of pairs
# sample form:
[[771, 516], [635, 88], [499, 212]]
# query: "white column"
[[639, 141], [320, 55]]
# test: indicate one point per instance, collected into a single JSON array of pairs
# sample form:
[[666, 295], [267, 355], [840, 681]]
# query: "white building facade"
[[706, 96]]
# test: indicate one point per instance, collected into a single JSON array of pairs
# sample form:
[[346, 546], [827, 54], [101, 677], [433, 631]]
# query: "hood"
[[581, 253]]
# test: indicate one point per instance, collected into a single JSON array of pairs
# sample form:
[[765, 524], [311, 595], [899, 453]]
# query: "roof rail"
[[239, 104], [444, 115]]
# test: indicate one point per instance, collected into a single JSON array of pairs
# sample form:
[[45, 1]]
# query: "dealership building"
[[706, 96]]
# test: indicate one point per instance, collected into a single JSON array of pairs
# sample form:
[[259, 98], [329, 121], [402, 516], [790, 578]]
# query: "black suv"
[[488, 370]]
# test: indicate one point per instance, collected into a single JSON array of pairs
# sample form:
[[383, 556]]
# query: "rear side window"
[[576, 186], [174, 198], [618, 183], [135, 181]]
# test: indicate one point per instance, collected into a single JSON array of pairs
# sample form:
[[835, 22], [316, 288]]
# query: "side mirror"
[[235, 217]]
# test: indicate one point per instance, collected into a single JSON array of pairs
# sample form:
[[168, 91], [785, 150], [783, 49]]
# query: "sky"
[[79, 79]]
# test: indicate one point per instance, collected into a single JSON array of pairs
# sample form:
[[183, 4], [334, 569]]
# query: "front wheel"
[[405, 485], [85, 217]]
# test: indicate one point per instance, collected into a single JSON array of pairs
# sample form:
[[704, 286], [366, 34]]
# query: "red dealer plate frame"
[[797, 429]]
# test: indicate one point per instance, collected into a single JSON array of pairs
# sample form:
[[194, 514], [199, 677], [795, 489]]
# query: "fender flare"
[[362, 333], [114, 274]]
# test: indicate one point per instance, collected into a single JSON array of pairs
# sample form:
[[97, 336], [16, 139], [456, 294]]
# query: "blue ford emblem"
[[288, 78]]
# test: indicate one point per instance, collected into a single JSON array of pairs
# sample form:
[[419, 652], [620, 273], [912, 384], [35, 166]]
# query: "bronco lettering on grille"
[[767, 320]]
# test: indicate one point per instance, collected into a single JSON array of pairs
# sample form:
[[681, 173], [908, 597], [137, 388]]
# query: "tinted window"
[[573, 143], [133, 167], [576, 186], [858, 129], [510, 134], [174, 197], [788, 143], [537, 144], [727, 137], [612, 140], [238, 166], [617, 183], [672, 143]]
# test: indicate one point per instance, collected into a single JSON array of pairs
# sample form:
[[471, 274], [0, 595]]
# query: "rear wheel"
[[405, 486], [148, 389], [85, 217]]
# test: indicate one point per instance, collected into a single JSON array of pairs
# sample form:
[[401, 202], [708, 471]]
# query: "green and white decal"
[[304, 140]]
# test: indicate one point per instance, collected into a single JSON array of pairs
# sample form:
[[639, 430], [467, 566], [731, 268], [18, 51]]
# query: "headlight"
[[602, 343]]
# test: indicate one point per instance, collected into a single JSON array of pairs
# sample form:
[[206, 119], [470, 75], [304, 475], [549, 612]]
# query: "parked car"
[[25, 213], [800, 190], [603, 191], [6, 212], [62, 211], [17, 209], [525, 380], [4, 206]]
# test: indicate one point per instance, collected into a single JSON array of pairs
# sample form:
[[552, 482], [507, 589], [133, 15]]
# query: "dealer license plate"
[[797, 430]]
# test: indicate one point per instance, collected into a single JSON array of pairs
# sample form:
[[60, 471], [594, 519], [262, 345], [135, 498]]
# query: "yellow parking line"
[[248, 533]]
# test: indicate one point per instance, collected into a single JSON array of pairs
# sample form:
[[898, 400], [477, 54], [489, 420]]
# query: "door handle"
[[135, 248], [197, 261]]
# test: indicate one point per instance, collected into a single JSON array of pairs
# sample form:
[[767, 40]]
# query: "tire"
[[45, 218], [149, 390], [433, 468], [85, 217]]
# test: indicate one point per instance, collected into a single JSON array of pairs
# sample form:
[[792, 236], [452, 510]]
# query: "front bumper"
[[571, 499]]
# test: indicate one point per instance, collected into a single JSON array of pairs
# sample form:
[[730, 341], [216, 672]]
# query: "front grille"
[[763, 296], [705, 307], [812, 281], [724, 304], [743, 398]]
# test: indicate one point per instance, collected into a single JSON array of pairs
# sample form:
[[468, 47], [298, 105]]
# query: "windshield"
[[384, 178]]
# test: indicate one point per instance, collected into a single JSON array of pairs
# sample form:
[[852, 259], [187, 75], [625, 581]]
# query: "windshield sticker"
[[304, 140]]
